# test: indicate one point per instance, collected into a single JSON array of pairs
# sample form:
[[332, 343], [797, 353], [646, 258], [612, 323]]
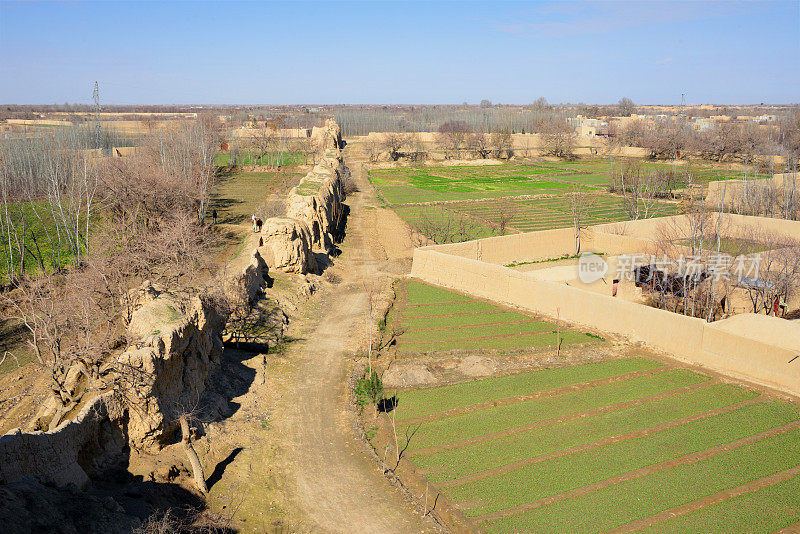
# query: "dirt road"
[[323, 478], [340, 486]]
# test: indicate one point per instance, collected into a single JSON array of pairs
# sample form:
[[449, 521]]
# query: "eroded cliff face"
[[315, 213]]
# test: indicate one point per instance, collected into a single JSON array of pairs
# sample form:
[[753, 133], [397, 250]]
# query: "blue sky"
[[401, 53]]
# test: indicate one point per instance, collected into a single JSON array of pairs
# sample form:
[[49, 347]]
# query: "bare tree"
[[541, 104], [309, 148], [189, 153], [48, 189], [558, 137], [465, 227], [70, 328], [436, 225], [638, 187], [393, 145], [580, 206], [506, 211], [453, 137], [626, 107], [184, 416], [777, 277], [372, 149], [789, 135], [479, 145], [416, 147], [666, 139], [501, 143], [730, 141], [631, 134]]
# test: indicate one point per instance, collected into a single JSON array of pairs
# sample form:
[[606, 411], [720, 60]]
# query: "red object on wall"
[[223, 146]]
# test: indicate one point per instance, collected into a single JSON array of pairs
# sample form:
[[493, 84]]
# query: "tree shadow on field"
[[386, 405], [219, 470], [226, 211]]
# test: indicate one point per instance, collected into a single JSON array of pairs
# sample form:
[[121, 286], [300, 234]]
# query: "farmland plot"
[[526, 197], [631, 444], [436, 320]]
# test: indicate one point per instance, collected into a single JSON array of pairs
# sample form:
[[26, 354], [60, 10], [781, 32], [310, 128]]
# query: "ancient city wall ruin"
[[177, 346], [314, 214]]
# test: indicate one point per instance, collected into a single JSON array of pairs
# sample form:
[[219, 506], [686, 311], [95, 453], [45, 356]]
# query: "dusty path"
[[307, 468], [340, 487]]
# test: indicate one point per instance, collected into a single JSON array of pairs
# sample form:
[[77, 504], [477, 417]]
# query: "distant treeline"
[[488, 118], [362, 120]]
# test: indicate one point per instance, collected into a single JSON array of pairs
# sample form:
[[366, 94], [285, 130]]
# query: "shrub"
[[369, 389]]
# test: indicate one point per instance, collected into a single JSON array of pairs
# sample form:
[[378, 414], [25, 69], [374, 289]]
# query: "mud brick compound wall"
[[752, 347]]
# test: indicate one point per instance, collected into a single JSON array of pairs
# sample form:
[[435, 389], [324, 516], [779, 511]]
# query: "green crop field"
[[599, 446], [36, 220], [434, 320], [537, 196], [469, 182], [236, 197], [270, 158], [542, 213]]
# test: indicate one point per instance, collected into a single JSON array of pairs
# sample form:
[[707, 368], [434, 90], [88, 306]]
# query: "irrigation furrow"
[[460, 314], [606, 441], [710, 500], [537, 395], [481, 338], [651, 469], [548, 422], [791, 529], [462, 326], [427, 304]]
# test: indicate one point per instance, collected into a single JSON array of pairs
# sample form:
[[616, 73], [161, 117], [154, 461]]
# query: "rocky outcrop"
[[315, 212]]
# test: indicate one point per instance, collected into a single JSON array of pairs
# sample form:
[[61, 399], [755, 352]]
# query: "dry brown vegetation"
[[705, 265], [125, 220]]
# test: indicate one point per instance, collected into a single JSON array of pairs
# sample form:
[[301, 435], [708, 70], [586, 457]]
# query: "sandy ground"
[[22, 392], [300, 465]]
